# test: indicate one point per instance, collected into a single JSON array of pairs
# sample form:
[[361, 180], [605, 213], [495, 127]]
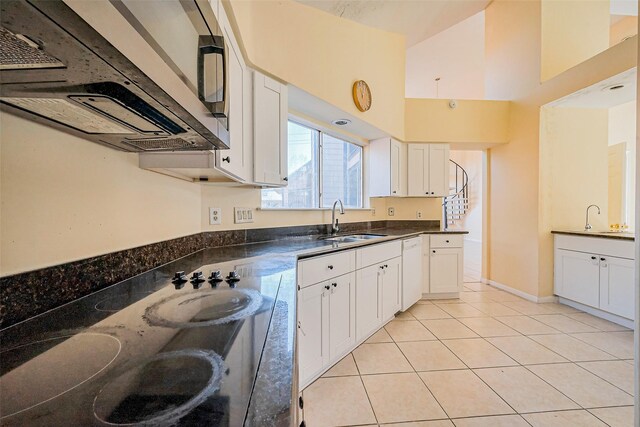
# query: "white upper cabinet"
[[237, 160], [388, 168], [428, 170], [270, 110]]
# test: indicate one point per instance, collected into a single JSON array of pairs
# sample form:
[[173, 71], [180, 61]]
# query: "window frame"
[[320, 141]]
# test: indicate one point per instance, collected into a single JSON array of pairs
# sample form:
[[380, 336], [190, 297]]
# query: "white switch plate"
[[391, 211], [242, 215], [215, 216]]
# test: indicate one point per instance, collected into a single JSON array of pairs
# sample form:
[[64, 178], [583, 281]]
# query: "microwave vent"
[[18, 52], [166, 144]]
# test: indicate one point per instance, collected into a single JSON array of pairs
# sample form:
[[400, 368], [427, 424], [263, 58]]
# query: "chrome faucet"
[[334, 221], [587, 226]]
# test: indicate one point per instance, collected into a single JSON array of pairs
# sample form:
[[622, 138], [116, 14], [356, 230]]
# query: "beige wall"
[[572, 32], [64, 199], [520, 250], [574, 167], [226, 198], [461, 75], [622, 129], [324, 55], [473, 123]]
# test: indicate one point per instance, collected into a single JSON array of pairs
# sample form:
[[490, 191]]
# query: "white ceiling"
[[416, 19], [624, 7], [599, 95]]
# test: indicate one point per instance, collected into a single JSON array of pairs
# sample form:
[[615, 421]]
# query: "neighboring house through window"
[[322, 169]]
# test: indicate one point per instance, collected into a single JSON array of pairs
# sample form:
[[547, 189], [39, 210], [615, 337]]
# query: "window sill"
[[312, 209]]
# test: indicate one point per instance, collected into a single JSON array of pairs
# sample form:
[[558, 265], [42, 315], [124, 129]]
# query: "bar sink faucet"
[[334, 221], [587, 226]]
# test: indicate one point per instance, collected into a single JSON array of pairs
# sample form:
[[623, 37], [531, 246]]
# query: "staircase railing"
[[458, 201]]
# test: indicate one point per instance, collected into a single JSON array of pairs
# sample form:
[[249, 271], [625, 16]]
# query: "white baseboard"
[[521, 294], [444, 295], [599, 313]]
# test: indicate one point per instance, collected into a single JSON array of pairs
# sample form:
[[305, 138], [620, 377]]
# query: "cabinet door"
[[313, 331], [368, 316], [438, 170], [617, 290], [398, 168], [411, 272], [391, 291], [234, 160], [577, 277], [426, 264], [270, 131], [445, 270], [342, 315], [417, 172]]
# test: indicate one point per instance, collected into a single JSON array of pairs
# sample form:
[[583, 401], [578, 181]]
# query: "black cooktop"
[[148, 351]]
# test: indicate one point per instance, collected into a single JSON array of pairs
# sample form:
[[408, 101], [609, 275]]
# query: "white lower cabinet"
[[313, 331], [596, 272], [578, 276], [617, 290], [368, 290], [443, 264], [391, 288], [326, 324], [342, 315]]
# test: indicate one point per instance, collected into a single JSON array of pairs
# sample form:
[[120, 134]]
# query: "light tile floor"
[[487, 359]]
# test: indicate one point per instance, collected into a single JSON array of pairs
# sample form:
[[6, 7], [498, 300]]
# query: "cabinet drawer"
[[321, 268], [377, 253], [446, 240]]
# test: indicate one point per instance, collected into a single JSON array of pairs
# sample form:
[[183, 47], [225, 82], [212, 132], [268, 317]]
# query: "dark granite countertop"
[[597, 234], [272, 263]]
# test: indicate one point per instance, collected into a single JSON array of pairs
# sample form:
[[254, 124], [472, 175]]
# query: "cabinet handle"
[[385, 266], [301, 330], [593, 257], [330, 267], [227, 159], [394, 191], [335, 285], [327, 287], [381, 267], [286, 178], [603, 259], [434, 252], [447, 241]]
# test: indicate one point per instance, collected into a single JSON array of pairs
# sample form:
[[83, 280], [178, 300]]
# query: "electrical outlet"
[[242, 215], [391, 211], [215, 216], [419, 214], [373, 212]]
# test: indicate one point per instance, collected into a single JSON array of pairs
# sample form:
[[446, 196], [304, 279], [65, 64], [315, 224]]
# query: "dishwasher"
[[411, 271]]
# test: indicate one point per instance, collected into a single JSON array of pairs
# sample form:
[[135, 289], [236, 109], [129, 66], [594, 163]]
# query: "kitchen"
[[104, 233]]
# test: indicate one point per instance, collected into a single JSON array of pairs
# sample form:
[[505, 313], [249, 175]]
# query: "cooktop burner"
[[69, 362], [204, 308], [160, 391]]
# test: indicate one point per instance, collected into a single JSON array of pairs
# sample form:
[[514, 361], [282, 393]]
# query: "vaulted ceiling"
[[416, 19]]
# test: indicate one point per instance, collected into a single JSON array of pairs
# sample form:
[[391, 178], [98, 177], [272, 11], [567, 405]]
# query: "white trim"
[[518, 292], [444, 295], [466, 239], [598, 313], [316, 209]]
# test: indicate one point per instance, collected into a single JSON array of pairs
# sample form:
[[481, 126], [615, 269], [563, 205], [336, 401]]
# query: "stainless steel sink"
[[353, 237]]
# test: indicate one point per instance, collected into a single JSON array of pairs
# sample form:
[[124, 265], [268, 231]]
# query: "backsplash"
[[28, 294]]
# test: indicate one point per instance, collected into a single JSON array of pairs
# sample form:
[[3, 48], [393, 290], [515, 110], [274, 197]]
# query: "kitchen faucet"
[[334, 221], [587, 226]]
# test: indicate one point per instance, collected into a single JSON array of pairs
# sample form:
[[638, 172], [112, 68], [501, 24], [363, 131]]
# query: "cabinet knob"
[[335, 285], [227, 159], [593, 257], [394, 191], [327, 287], [434, 252], [603, 259], [433, 192], [447, 241], [385, 266], [286, 178], [330, 267]]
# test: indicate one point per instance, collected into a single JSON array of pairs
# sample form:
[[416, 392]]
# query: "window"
[[322, 169]]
